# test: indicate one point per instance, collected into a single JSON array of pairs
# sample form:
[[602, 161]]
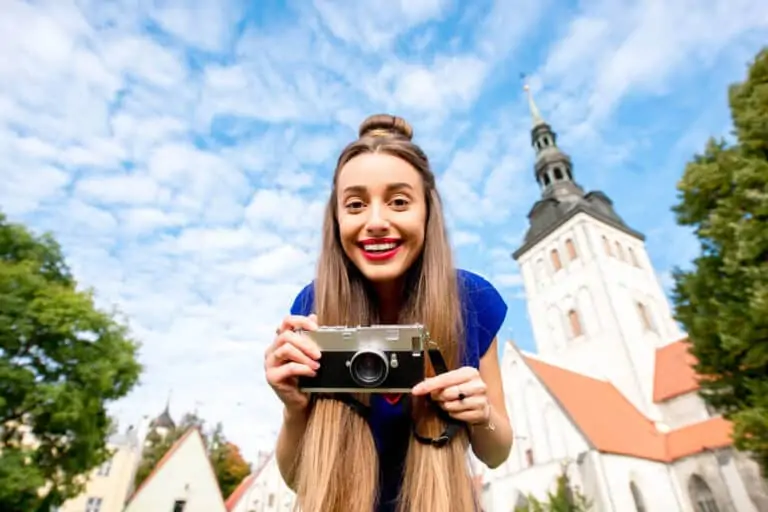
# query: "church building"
[[610, 397]]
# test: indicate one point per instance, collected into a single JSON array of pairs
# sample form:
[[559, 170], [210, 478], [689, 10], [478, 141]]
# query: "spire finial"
[[535, 114]]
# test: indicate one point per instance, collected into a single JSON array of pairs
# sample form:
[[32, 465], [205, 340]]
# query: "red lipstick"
[[380, 249]]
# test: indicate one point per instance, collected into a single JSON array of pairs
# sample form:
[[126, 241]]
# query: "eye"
[[354, 205], [400, 202]]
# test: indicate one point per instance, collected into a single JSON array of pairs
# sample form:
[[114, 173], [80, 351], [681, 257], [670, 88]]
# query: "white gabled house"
[[183, 481]]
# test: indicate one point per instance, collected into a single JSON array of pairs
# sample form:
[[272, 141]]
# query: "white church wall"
[[654, 481], [543, 433], [606, 339], [503, 491], [684, 410]]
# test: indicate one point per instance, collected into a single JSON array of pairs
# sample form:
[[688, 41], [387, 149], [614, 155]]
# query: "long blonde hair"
[[338, 466]]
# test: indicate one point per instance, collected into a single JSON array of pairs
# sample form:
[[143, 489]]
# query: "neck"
[[390, 300]]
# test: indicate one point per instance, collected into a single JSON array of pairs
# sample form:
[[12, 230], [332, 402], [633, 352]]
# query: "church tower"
[[594, 300]]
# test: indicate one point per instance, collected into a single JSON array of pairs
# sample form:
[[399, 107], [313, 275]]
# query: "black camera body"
[[371, 359]]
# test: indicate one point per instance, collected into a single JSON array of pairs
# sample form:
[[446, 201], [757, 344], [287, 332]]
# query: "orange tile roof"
[[613, 425], [240, 490], [674, 374]]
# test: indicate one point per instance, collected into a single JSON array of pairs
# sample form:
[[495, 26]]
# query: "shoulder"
[[477, 292], [304, 301], [483, 308]]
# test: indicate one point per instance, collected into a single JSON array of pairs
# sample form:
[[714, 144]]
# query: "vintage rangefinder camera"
[[374, 359]]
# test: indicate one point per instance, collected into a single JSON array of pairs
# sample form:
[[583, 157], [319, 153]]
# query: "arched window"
[[607, 246], [619, 251], [701, 495], [571, 249], [575, 322], [632, 257], [556, 263], [637, 497], [521, 503], [645, 317], [558, 174]]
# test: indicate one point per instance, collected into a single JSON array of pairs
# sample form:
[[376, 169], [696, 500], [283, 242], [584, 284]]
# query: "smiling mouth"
[[380, 247], [380, 250]]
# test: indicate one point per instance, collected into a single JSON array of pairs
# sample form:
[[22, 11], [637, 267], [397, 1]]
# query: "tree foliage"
[[723, 300], [228, 464], [61, 361], [566, 498]]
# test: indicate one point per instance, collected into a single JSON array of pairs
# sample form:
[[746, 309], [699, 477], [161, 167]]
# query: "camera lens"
[[368, 368]]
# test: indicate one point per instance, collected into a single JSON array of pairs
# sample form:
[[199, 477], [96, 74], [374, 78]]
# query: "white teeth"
[[380, 247]]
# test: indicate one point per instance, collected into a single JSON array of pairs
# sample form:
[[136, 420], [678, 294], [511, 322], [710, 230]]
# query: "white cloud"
[[186, 172]]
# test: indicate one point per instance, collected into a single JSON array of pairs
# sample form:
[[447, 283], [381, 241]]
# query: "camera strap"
[[453, 426]]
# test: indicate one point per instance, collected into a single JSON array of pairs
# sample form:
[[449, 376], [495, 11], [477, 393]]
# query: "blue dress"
[[483, 312]]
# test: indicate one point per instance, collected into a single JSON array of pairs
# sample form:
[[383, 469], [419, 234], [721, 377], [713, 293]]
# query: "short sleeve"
[[304, 301], [489, 308]]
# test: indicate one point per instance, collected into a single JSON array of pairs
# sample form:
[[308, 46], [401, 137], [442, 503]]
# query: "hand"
[[290, 356], [461, 393]]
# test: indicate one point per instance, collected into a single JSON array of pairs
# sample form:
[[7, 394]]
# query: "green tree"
[[566, 498], [230, 467], [723, 300], [61, 361]]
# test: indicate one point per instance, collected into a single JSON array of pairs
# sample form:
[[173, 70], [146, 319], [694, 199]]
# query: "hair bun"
[[379, 125]]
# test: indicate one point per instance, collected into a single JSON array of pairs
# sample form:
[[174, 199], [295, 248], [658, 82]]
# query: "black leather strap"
[[453, 426]]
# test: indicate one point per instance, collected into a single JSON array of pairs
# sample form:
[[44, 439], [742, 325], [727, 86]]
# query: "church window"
[[556, 263], [558, 173], [575, 323], [571, 249], [632, 257], [701, 495], [637, 497], [546, 180], [529, 457], [645, 317], [619, 251], [104, 468], [179, 505], [568, 173], [93, 504], [271, 500], [607, 246]]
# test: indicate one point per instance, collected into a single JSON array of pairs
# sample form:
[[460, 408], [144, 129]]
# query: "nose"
[[377, 224]]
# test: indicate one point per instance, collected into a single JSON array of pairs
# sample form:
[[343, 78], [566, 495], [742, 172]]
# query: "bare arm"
[[492, 441], [289, 444]]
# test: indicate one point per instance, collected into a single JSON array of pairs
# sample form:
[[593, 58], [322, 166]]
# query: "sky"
[[181, 152]]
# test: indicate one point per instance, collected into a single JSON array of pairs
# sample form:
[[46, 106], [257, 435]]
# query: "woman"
[[386, 259]]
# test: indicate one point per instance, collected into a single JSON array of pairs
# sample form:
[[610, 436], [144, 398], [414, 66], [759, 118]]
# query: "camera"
[[371, 359]]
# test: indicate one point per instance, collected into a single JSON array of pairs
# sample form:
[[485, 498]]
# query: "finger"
[[445, 380], [288, 352], [303, 343], [279, 374], [474, 387], [293, 322], [470, 417], [472, 403]]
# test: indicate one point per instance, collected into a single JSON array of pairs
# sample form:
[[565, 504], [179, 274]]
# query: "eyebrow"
[[358, 189]]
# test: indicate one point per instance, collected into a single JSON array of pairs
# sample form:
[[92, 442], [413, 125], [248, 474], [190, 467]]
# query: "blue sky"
[[182, 151]]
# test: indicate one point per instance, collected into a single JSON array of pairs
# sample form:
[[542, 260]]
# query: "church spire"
[[535, 114], [553, 168]]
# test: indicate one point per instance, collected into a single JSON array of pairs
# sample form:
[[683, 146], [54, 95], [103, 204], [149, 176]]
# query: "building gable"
[[183, 474]]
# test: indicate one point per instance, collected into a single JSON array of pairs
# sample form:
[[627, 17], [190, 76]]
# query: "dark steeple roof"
[[164, 420], [561, 197]]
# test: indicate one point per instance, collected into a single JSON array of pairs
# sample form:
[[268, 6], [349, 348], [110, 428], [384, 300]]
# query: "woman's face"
[[382, 215]]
